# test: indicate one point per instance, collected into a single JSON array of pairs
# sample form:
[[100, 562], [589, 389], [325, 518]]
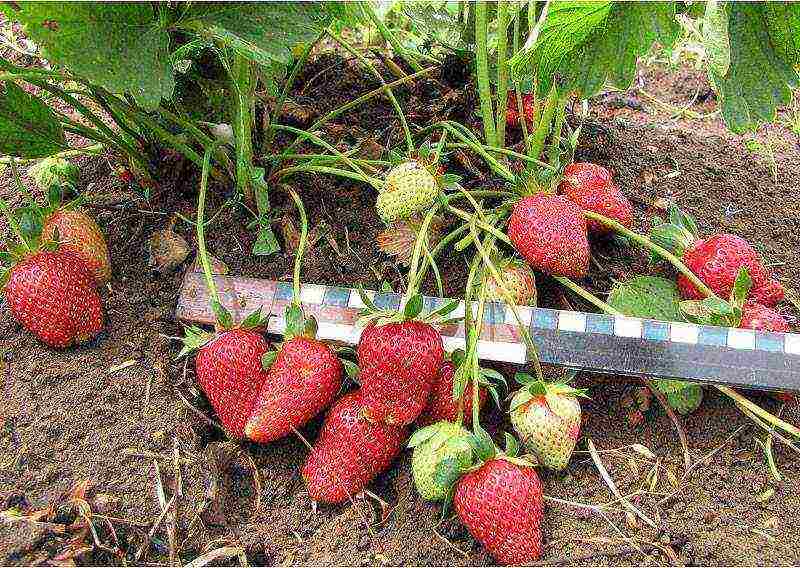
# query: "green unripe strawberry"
[[442, 452], [547, 417], [53, 171], [408, 188]]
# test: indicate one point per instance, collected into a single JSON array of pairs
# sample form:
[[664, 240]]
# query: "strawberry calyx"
[[678, 234], [486, 450], [535, 388], [716, 311]]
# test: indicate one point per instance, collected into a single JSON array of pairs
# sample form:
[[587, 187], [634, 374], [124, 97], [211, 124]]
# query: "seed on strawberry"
[[549, 231], [441, 405], [761, 318], [399, 363], [501, 505], [590, 187], [229, 371], [408, 188], [528, 110], [547, 417], [76, 231], [350, 452], [518, 280], [303, 381], [53, 295], [442, 452]]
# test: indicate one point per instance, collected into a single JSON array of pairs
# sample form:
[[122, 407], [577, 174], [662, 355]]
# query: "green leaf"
[[587, 45], [741, 287], [683, 220], [413, 306], [512, 446], [761, 76], [268, 358], [434, 21], [254, 320], [524, 378], [118, 45], [684, 397], [715, 37], [28, 128], [264, 32], [649, 297]]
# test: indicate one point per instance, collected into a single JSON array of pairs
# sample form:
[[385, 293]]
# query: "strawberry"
[[408, 188], [350, 451], [716, 261], [53, 295], [78, 232], [442, 405], [547, 417], [399, 362], [442, 451], [228, 369], [528, 110], [761, 318], [500, 503], [518, 280], [53, 171], [303, 380], [549, 231], [590, 187]]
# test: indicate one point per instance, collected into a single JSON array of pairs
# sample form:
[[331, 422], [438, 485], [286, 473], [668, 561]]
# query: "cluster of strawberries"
[[56, 267]]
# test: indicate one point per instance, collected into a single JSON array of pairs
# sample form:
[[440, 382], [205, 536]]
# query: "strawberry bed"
[[116, 413]]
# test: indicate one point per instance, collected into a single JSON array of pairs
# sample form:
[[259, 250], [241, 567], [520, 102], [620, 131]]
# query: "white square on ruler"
[[497, 351], [525, 314], [355, 298], [627, 327], [335, 332], [573, 321], [792, 345], [684, 333], [453, 343], [312, 293], [741, 338]]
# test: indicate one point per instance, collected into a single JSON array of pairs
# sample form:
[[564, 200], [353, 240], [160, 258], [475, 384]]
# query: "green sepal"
[[709, 311], [386, 287], [522, 396], [350, 369], [5, 274], [297, 324], [512, 446], [224, 317], [450, 182], [31, 222], [444, 310], [671, 237], [525, 378], [741, 288], [482, 444], [365, 299], [268, 359], [495, 395], [194, 339], [255, 320], [413, 307], [447, 472], [682, 220], [457, 357]]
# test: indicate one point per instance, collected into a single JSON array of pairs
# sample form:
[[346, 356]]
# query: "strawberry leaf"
[[28, 128], [445, 310], [649, 297], [682, 220], [741, 287], [351, 369]]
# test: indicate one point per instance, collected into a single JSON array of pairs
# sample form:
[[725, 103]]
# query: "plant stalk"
[[390, 37], [502, 71], [482, 62]]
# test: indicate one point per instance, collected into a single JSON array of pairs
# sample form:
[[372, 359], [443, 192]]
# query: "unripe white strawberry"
[[408, 188], [518, 280]]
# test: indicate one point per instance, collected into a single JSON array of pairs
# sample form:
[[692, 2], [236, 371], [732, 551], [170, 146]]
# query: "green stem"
[[301, 247], [502, 71], [500, 235], [504, 151], [324, 158], [520, 109], [414, 274], [543, 128], [588, 296], [482, 61], [100, 96], [390, 37], [94, 149], [386, 88], [202, 253], [496, 166], [555, 141], [285, 172], [651, 246], [243, 83], [368, 64]]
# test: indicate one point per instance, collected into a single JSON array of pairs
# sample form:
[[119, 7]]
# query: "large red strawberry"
[[350, 452], [528, 110], [590, 187], [442, 406], [549, 231], [303, 381], [53, 295], [229, 371], [500, 503], [78, 232], [716, 261], [761, 318], [398, 363]]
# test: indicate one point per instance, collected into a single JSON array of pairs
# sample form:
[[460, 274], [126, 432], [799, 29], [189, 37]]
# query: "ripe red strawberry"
[[230, 373], [500, 503], [441, 405], [718, 260], [549, 231], [761, 318], [350, 452], [528, 110], [303, 380], [76, 231], [53, 295], [590, 187], [398, 363]]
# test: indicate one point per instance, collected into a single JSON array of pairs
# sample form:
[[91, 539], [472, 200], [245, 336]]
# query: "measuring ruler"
[[584, 341]]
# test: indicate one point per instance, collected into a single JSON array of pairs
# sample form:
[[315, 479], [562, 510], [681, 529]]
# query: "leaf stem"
[[202, 253], [482, 62], [502, 71], [390, 37], [301, 247]]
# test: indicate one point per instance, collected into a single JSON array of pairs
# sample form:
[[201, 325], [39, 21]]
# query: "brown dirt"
[[71, 416]]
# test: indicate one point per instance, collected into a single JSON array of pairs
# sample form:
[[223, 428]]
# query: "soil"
[[119, 411]]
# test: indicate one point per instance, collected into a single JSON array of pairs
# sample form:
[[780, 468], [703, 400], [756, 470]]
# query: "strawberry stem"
[[482, 63], [588, 296], [14, 225], [414, 274], [202, 253], [301, 247], [650, 245]]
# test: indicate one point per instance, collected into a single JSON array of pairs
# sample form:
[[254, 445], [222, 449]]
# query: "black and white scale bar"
[[585, 341]]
